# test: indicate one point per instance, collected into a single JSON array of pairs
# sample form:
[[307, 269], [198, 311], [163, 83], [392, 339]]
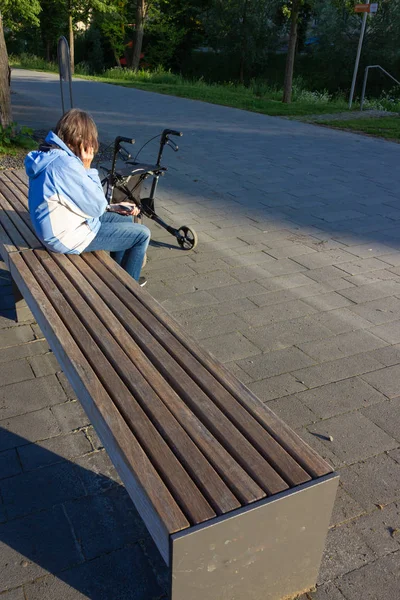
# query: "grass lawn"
[[383, 127]]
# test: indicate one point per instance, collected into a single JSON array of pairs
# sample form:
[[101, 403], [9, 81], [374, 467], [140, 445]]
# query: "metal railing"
[[366, 78]]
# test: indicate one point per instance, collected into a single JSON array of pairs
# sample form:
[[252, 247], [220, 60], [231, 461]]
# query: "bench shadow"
[[67, 530]]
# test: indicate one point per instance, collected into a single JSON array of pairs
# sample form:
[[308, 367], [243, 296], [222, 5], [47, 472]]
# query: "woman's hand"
[[124, 208], [87, 155]]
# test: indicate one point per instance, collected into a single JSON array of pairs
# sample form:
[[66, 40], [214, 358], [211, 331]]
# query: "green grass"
[[383, 127], [257, 97]]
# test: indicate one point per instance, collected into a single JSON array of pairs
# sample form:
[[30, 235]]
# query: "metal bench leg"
[[270, 550], [22, 310]]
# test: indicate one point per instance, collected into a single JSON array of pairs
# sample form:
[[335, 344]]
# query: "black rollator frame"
[[124, 184]]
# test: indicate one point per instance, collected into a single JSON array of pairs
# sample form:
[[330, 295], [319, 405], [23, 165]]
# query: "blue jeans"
[[125, 240]]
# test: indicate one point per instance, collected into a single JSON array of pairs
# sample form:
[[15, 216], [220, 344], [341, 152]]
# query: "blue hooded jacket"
[[65, 199]]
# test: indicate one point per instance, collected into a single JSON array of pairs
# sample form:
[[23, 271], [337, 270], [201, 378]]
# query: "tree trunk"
[[139, 32], [5, 98], [287, 86], [71, 43], [243, 44]]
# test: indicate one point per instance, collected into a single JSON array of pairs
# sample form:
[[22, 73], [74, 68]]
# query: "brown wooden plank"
[[197, 399], [268, 447], [237, 479], [30, 240], [293, 444], [21, 175], [169, 468], [90, 308], [11, 231], [18, 201], [151, 497]]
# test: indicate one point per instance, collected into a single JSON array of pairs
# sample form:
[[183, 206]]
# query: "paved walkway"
[[295, 285]]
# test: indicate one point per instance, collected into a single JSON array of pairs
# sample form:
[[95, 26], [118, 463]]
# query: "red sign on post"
[[366, 8]]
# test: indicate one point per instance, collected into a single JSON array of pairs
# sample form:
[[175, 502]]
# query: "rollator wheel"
[[187, 238]]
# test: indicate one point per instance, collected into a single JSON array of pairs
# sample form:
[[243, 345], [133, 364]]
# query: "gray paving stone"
[[216, 326], [15, 594], [97, 472], [105, 522], [232, 346], [46, 364], [191, 316], [388, 356], [237, 291], [53, 450], [17, 352], [285, 282], [40, 489], [291, 250], [38, 333], [31, 427], [328, 591], [66, 386], [341, 320], [373, 249], [372, 277], [282, 334], [323, 259], [325, 274], [345, 551], [70, 416], [121, 575], [392, 259], [277, 312], [345, 508], [284, 266], [328, 301], [385, 380], [390, 332], [93, 438], [372, 291], [275, 363], [292, 411], [379, 311], [9, 464], [42, 392], [189, 300], [16, 335], [275, 387], [380, 529], [387, 416], [340, 397], [336, 370], [373, 580], [355, 437], [340, 346], [363, 265], [35, 545], [373, 482], [14, 372]]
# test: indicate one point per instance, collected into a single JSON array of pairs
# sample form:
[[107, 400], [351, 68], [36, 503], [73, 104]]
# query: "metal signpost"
[[366, 9], [64, 67]]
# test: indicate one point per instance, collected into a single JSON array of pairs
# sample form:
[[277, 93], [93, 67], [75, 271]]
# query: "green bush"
[[13, 136]]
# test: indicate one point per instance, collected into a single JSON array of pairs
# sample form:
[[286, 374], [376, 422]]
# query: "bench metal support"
[[366, 79], [270, 550]]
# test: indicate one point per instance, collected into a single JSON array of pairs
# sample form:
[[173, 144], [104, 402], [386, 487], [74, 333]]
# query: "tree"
[[13, 13], [294, 22]]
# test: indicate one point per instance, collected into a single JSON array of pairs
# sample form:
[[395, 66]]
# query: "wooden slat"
[[199, 402], [293, 444], [235, 476], [157, 507], [21, 175], [123, 361], [12, 232], [30, 240], [277, 456], [18, 201], [170, 469]]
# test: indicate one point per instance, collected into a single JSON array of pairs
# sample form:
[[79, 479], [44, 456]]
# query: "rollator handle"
[[120, 139], [172, 132]]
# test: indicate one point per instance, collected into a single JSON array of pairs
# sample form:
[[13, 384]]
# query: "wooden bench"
[[237, 504]]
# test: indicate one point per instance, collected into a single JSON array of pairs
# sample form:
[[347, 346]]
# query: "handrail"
[[366, 77]]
